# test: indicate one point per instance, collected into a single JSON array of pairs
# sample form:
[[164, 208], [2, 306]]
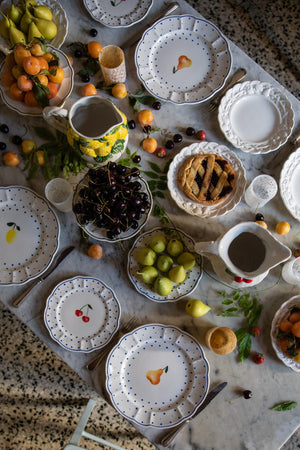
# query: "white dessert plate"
[[179, 290], [100, 234], [192, 207], [64, 89], [118, 13], [29, 231], [256, 117], [157, 376], [283, 314], [183, 59], [59, 18], [82, 314], [289, 184]]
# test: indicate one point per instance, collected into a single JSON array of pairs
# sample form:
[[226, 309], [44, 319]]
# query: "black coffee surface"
[[247, 252]]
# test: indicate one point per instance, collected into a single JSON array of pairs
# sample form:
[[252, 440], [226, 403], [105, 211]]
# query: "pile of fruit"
[[27, 21], [111, 198], [289, 334], [32, 74], [163, 263]]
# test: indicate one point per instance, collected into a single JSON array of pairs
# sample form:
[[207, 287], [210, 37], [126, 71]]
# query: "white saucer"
[[289, 184], [256, 117]]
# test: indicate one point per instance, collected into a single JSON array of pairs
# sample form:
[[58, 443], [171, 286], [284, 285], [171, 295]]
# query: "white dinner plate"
[[29, 235], [118, 13], [176, 365], [289, 184], [59, 18], [282, 314], [183, 59], [82, 314], [192, 207], [179, 290], [64, 88], [256, 117]]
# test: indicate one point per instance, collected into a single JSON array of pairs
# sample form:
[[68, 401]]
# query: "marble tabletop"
[[230, 421]]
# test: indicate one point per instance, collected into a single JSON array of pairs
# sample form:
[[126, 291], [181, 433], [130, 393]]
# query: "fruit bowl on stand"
[[112, 203], [180, 289], [64, 88]]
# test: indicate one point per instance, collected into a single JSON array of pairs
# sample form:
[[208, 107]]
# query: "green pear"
[[148, 274], [177, 274], [187, 260], [33, 32], [46, 27], [158, 243], [42, 12], [146, 256], [163, 286], [174, 247], [16, 36], [4, 28], [25, 21], [15, 14], [164, 263]]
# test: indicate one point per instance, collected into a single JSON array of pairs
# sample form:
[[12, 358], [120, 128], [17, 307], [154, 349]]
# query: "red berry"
[[85, 318], [78, 312], [247, 280], [259, 358], [201, 135], [160, 152], [255, 331], [238, 279], [297, 253]]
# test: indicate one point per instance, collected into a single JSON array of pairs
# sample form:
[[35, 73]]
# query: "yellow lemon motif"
[[11, 236]]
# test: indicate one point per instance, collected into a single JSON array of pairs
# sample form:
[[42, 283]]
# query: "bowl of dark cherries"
[[112, 203]]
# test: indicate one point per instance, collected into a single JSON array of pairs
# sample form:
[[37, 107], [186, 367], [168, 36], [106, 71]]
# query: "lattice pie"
[[206, 178]]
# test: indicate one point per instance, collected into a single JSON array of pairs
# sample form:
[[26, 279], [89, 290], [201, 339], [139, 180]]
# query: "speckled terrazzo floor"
[[41, 397]]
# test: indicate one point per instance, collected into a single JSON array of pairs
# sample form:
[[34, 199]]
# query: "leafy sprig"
[[158, 182], [129, 159], [58, 154], [242, 305], [139, 97]]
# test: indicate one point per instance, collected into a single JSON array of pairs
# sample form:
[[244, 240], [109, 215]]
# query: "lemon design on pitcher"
[[12, 233]]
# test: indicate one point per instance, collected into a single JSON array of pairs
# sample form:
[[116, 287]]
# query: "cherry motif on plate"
[[80, 312]]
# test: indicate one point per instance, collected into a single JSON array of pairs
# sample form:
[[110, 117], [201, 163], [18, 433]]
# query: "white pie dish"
[[256, 117], [197, 209], [183, 382], [183, 59]]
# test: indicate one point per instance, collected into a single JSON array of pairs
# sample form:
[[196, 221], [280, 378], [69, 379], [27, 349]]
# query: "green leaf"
[[228, 314], [236, 294], [245, 347], [159, 194], [151, 174], [222, 293], [240, 333], [162, 185], [227, 302], [243, 301], [154, 167], [152, 185], [255, 315], [284, 406], [167, 165]]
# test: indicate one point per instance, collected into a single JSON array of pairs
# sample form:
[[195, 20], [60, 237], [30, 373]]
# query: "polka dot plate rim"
[[141, 380], [29, 235], [119, 13], [183, 59], [179, 290], [82, 314]]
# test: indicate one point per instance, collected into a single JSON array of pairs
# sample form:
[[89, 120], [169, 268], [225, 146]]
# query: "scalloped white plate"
[[195, 208], [179, 290], [64, 89], [59, 18], [282, 314], [82, 314], [183, 59], [29, 235], [289, 184], [118, 13], [100, 234], [181, 369], [256, 117]]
